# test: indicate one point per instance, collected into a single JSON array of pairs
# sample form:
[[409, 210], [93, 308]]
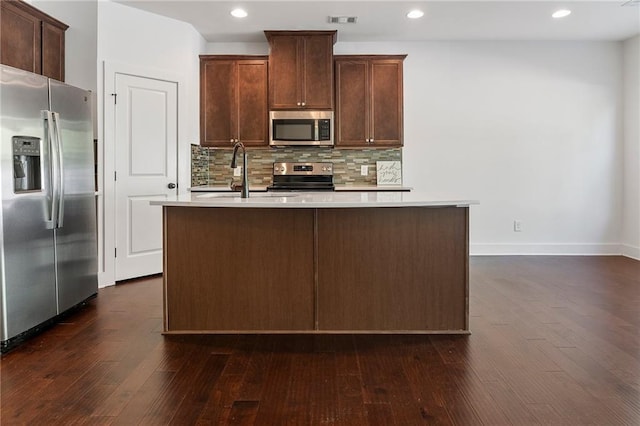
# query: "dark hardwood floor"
[[556, 341]]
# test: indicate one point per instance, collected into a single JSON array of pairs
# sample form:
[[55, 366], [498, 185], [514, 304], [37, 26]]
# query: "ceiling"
[[386, 20]]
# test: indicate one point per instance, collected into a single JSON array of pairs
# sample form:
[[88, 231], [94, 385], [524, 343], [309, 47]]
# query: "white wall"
[[129, 38], [631, 211], [137, 38], [530, 129], [237, 48]]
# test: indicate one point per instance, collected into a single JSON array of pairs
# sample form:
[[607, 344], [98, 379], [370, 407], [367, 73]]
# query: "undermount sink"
[[251, 195]]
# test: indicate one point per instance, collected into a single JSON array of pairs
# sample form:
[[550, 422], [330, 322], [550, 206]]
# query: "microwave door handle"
[[50, 171], [316, 132], [60, 176]]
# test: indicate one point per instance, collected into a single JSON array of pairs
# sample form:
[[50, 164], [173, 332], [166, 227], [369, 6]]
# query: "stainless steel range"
[[302, 177]]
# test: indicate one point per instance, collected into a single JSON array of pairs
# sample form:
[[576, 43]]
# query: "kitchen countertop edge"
[[302, 200]]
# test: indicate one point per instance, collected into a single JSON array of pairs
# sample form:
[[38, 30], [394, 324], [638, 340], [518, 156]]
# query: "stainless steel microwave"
[[299, 128]]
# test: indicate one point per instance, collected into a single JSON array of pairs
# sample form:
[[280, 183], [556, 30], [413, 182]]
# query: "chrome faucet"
[[244, 187]]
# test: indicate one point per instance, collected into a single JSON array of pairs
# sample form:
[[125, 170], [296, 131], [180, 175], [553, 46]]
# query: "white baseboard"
[[479, 249], [105, 280], [630, 251]]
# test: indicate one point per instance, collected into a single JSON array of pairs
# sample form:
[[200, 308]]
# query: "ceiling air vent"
[[343, 19], [631, 3]]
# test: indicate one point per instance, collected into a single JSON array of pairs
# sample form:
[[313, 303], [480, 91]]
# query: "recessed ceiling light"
[[415, 14], [561, 13], [239, 13]]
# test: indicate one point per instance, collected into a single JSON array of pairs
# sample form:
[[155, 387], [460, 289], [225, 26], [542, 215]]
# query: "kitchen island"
[[316, 262]]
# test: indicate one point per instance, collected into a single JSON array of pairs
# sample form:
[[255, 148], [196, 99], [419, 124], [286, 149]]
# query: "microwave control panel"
[[324, 130]]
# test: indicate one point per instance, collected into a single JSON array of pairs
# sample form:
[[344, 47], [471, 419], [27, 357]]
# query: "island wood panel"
[[238, 269], [393, 269]]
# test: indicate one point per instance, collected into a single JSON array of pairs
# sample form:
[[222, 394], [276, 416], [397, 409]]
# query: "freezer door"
[[26, 244], [76, 241]]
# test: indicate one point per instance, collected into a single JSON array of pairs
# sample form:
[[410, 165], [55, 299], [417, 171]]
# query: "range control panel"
[[303, 169]]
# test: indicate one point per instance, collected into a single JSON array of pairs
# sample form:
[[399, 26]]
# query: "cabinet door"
[[217, 97], [20, 34], [284, 84], [52, 51], [317, 72], [352, 103], [252, 104], [386, 102]]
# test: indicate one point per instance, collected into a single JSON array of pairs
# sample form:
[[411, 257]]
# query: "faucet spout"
[[244, 187]]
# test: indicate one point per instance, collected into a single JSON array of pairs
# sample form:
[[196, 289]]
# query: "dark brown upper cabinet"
[[369, 103], [233, 100], [31, 40], [301, 69]]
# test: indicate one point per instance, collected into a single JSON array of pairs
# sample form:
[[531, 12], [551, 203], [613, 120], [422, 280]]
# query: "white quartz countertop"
[[222, 188], [363, 188], [338, 199]]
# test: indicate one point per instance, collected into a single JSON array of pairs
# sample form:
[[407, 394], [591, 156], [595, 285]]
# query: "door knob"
[[171, 185]]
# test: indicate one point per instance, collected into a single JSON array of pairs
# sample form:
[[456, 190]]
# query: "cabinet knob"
[[299, 103], [367, 140], [231, 140], [171, 185], [371, 140], [304, 103]]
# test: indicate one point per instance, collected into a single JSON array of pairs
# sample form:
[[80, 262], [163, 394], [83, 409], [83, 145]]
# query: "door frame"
[[106, 195]]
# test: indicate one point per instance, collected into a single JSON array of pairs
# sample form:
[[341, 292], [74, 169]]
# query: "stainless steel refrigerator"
[[48, 250]]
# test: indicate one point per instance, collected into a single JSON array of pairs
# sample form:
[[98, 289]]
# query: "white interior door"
[[146, 132]]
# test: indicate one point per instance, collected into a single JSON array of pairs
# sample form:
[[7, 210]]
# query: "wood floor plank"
[[350, 407], [380, 414], [555, 341], [199, 390], [243, 413]]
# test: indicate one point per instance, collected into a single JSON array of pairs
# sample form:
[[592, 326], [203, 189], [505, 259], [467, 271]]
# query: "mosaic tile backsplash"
[[210, 166]]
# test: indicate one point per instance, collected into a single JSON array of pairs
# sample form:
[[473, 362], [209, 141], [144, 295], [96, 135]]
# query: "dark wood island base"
[[316, 270]]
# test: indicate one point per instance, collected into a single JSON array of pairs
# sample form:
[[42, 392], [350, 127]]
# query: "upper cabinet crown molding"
[[301, 69], [31, 40]]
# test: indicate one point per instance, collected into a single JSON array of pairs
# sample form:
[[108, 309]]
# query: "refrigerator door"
[[76, 245], [27, 262]]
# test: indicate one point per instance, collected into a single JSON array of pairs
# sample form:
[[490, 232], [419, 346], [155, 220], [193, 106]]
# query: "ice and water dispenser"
[[26, 164]]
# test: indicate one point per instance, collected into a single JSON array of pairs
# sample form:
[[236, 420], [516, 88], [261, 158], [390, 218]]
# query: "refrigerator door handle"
[[50, 171], [60, 174]]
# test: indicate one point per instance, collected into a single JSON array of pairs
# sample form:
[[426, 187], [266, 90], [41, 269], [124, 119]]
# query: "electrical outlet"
[[364, 170], [517, 226], [237, 171]]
